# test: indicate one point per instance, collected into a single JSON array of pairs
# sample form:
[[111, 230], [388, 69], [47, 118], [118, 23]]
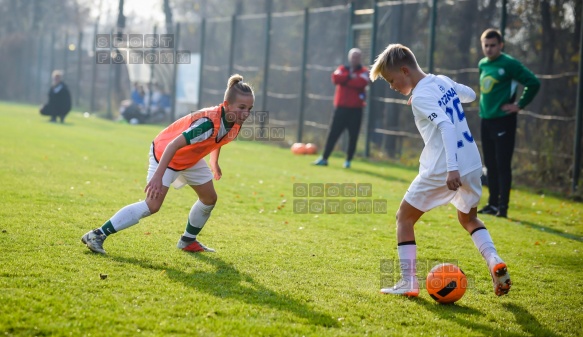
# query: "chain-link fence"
[[289, 56]]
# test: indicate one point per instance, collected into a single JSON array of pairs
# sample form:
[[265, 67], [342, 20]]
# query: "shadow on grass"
[[61, 124], [228, 282], [460, 315], [527, 321], [547, 229], [337, 165]]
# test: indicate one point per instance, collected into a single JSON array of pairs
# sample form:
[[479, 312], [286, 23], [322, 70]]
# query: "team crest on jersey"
[[487, 84], [441, 88], [501, 71]]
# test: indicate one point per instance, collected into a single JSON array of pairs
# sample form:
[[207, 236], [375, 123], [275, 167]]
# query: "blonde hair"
[[236, 86], [57, 73], [394, 56]]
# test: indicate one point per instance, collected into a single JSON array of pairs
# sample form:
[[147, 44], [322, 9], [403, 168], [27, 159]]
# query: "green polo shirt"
[[499, 80]]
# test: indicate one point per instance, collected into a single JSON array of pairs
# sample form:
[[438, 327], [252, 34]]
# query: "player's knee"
[[403, 221], [467, 220], [154, 209], [210, 199], [401, 216], [463, 218], [153, 206]]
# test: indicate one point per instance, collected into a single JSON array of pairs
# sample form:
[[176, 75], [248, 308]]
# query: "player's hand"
[[453, 180], [510, 108], [409, 100], [217, 173], [153, 188]]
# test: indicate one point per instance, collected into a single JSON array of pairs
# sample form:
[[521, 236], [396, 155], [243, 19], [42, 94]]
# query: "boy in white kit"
[[450, 164]]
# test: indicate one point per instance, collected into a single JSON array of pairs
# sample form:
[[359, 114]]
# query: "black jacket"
[[59, 102]]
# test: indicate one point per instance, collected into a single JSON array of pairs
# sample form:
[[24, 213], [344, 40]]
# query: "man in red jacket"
[[349, 99]]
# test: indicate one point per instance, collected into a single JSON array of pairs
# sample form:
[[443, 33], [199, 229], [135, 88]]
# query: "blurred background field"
[[290, 67]]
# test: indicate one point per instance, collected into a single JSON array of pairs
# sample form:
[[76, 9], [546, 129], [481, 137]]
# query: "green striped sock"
[[107, 228]]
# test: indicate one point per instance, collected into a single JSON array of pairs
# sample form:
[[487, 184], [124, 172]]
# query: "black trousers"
[[498, 136], [344, 118]]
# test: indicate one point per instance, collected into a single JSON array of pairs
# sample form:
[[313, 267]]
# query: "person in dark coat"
[[59, 103]]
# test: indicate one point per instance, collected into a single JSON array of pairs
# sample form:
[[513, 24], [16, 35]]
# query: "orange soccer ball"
[[298, 148], [446, 283], [311, 148]]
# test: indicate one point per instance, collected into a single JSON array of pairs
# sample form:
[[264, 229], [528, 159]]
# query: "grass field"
[[275, 273]]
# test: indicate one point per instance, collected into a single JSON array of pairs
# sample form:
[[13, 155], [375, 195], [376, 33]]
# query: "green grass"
[[275, 273]]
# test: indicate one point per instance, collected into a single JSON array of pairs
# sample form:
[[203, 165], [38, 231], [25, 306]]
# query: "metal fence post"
[[66, 57], [266, 62], [52, 59], [109, 78], [303, 75], [350, 31], [79, 62], [368, 110], [94, 68], [503, 11], [201, 65], [39, 65], [232, 46], [432, 23], [150, 87], [174, 75], [579, 118]]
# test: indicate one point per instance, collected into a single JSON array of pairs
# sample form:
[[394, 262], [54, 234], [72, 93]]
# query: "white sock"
[[483, 242], [197, 218], [129, 216], [408, 259]]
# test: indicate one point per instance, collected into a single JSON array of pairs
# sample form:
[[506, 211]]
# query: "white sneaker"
[[500, 276], [403, 287], [94, 240]]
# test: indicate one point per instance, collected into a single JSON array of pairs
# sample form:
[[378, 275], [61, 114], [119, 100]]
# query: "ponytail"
[[236, 86]]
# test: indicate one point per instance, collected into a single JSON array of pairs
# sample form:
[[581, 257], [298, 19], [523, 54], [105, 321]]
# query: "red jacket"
[[350, 92]]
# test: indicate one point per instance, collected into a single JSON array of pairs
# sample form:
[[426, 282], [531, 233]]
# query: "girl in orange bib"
[[177, 158]]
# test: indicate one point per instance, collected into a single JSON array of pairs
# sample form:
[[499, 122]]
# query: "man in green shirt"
[[500, 75]]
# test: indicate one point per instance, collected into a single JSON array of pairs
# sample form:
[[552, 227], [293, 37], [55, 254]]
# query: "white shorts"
[[426, 194], [197, 174]]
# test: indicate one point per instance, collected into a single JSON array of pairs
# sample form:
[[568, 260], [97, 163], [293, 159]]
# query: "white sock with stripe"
[[484, 243], [126, 217], [197, 218]]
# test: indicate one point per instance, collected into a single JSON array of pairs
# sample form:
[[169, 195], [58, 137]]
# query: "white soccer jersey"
[[438, 99]]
